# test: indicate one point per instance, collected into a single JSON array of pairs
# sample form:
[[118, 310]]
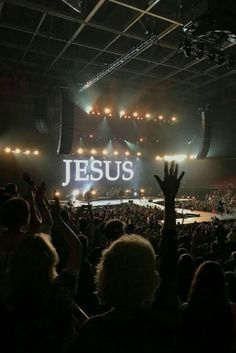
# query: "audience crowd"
[[114, 279]]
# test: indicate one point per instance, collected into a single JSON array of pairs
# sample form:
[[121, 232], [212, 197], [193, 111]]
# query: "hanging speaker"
[[66, 124], [206, 134]]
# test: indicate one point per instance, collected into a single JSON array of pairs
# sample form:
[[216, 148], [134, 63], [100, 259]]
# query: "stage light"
[[93, 192], [141, 139], [36, 152], [122, 113], [110, 114], [91, 136], [193, 156], [89, 109], [8, 150], [27, 152], [139, 154], [135, 114], [148, 115], [75, 192], [80, 150], [142, 191], [173, 118], [158, 158], [57, 194], [160, 117], [99, 113], [17, 151], [127, 153], [135, 193], [104, 152], [107, 110], [115, 153], [93, 112], [93, 151], [176, 158], [127, 191]]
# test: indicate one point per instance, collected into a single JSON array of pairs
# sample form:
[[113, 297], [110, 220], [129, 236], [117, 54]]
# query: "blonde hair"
[[126, 275], [33, 267]]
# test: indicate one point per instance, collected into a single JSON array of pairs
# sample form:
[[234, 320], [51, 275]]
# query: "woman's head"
[[33, 266], [15, 213], [208, 284], [126, 275]]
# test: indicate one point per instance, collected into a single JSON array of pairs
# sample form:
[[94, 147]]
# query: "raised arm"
[[170, 186], [166, 299], [75, 247]]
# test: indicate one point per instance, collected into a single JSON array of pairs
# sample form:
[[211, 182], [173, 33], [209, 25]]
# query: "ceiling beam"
[[108, 51], [66, 58], [77, 32], [160, 36], [33, 36], [146, 12]]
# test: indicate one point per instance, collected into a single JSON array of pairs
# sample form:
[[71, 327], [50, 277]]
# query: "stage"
[[189, 216]]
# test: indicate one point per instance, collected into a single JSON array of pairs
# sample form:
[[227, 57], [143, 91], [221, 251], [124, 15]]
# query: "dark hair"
[[15, 213], [114, 229], [207, 324], [11, 189]]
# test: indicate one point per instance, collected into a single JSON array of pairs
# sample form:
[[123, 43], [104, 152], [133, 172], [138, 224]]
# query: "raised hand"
[[170, 184]]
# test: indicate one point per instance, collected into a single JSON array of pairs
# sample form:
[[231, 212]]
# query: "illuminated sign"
[[95, 170]]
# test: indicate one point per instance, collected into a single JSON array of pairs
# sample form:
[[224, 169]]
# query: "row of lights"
[[134, 115], [176, 158], [105, 152], [19, 151], [76, 192]]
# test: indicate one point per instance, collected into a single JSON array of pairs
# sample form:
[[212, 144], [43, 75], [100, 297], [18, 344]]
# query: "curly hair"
[[126, 275]]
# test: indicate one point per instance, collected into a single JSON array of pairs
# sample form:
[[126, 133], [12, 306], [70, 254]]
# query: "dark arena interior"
[[118, 176]]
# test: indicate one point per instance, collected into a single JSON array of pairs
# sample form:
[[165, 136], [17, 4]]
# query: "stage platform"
[[190, 216]]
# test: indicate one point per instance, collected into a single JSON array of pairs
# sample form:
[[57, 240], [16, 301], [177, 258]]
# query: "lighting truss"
[[124, 59], [74, 4]]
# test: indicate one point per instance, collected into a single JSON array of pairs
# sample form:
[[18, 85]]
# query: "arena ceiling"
[[48, 39]]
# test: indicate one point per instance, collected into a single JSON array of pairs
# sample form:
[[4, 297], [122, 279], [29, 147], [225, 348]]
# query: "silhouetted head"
[[126, 275], [15, 213]]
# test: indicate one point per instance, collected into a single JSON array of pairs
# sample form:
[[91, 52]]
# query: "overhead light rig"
[[124, 59], [210, 32]]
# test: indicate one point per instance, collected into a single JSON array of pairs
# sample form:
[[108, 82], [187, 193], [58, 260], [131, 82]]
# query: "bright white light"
[[127, 191], [107, 110], [193, 156], [93, 192], [122, 113], [158, 158], [80, 150], [139, 154], [148, 115], [89, 109], [57, 193], [115, 153], [36, 152], [135, 114], [173, 118], [93, 151], [176, 158], [142, 190], [104, 152], [7, 150], [27, 152], [135, 193], [160, 117], [75, 192], [17, 150], [127, 153]]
